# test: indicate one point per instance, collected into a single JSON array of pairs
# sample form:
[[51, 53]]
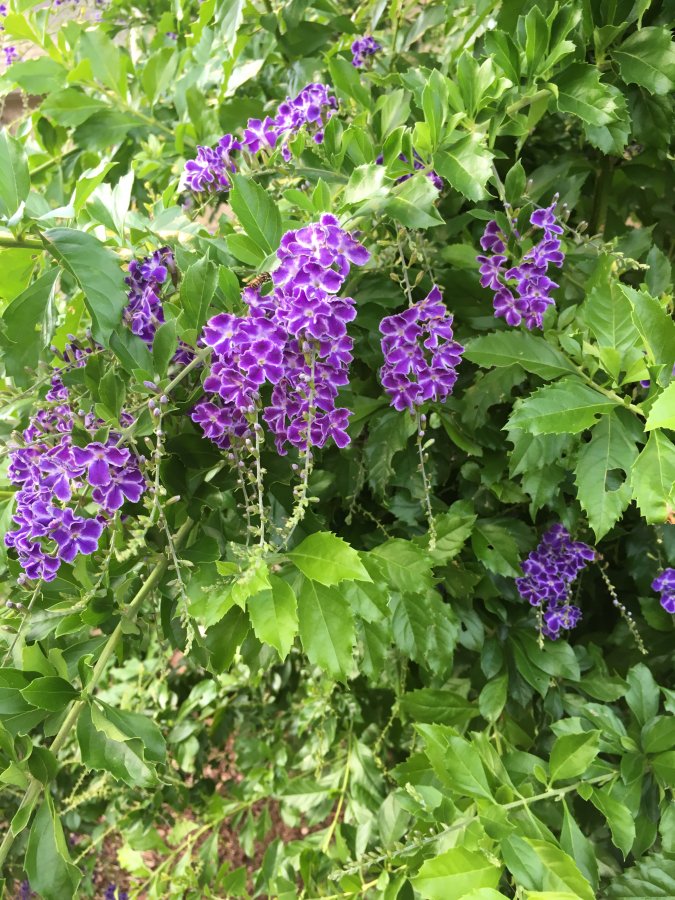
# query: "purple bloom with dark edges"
[[420, 354], [522, 291], [362, 48], [75, 534], [550, 571], [97, 459], [664, 584]]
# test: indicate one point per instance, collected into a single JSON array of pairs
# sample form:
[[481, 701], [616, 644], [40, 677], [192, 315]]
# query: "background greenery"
[[394, 730]]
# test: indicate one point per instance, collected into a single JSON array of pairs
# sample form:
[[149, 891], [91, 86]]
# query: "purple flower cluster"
[[550, 571], [294, 339], [418, 163], [11, 54], [310, 110], [362, 48], [60, 482], [144, 313], [665, 585], [112, 892], [523, 291], [420, 355]]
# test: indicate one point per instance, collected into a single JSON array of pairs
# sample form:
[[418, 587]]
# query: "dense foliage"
[[339, 467]]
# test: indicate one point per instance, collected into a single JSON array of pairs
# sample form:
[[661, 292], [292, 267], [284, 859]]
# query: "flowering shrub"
[[339, 473]]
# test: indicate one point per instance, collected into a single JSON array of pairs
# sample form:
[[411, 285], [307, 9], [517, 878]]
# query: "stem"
[[21, 243], [526, 101], [612, 395], [343, 790], [419, 424], [603, 186], [34, 788], [259, 484]]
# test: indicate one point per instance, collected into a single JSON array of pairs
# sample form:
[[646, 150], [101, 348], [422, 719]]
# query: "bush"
[[338, 407]]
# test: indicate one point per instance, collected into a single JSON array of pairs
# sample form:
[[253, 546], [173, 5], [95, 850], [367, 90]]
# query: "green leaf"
[[14, 176], [196, 293], [658, 735], [611, 450], [39, 76], [652, 877], [492, 698], [575, 843], [224, 639], [662, 411], [435, 105], [453, 528], [642, 695], [365, 183], [49, 692], [454, 874], [326, 629], [257, 213], [496, 548], [274, 615], [388, 433], [653, 478], [96, 271], [136, 725], [28, 327], [326, 558], [105, 747], [71, 107], [572, 754], [467, 165], [347, 81], [455, 761], [42, 764], [107, 62], [607, 313], [561, 870], [647, 58], [619, 818], [412, 203], [656, 326], [47, 862], [566, 407], [424, 628], [581, 93], [405, 566], [164, 346], [437, 706], [504, 348]]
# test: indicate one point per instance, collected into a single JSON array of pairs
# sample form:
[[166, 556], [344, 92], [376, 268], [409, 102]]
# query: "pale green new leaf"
[[566, 407], [455, 873], [326, 558], [572, 754], [274, 615], [653, 478], [467, 165], [611, 449], [326, 628], [662, 412]]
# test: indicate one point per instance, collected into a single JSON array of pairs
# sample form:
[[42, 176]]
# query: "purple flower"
[[523, 291], [420, 355], [294, 339], [309, 111], [11, 54], [664, 584], [362, 48], [97, 459], [550, 571], [76, 534]]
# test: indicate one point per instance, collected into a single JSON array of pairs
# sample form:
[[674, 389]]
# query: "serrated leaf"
[[652, 877], [455, 761], [566, 407], [611, 449], [466, 165], [28, 327], [531, 352], [583, 94], [326, 558], [326, 628], [647, 58], [653, 478], [662, 411], [49, 692], [656, 327]]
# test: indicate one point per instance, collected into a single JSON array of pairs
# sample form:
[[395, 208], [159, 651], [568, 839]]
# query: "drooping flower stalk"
[[523, 290], [550, 571]]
